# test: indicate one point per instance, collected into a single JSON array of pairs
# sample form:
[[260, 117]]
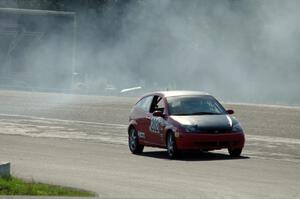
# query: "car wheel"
[[133, 142], [171, 146], [235, 152]]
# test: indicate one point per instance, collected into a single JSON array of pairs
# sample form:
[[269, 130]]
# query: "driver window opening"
[[157, 104]]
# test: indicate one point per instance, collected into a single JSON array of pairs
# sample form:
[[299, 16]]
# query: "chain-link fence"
[[37, 49]]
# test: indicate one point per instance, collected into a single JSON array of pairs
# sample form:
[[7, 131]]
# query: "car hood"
[[207, 122]]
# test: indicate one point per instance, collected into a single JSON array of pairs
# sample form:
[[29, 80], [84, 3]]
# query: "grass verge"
[[15, 186]]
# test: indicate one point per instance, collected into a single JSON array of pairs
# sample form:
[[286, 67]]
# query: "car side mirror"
[[230, 112], [158, 114]]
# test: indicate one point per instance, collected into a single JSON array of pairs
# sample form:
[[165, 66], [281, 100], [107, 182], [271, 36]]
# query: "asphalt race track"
[[81, 141]]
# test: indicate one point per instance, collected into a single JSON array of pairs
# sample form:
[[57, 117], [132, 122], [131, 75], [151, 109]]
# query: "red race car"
[[181, 121]]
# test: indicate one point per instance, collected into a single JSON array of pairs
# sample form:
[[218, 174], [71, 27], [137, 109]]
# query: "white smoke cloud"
[[238, 50], [243, 51]]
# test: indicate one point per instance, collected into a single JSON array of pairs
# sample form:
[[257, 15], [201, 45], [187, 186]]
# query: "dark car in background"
[[183, 121]]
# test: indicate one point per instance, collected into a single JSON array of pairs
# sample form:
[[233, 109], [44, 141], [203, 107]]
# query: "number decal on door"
[[156, 124]]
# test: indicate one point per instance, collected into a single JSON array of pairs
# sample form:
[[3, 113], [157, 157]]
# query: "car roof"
[[176, 93]]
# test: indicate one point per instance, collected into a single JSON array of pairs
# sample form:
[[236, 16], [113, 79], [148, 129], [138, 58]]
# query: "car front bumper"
[[197, 141]]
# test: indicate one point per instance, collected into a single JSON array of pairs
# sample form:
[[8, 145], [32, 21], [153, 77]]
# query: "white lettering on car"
[[156, 124], [141, 134]]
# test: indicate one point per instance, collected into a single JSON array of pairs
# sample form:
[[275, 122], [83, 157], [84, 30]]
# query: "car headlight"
[[237, 128], [190, 128]]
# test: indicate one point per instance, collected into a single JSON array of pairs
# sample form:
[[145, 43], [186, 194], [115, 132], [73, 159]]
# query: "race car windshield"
[[195, 105]]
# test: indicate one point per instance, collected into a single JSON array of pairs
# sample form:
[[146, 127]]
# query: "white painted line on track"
[[272, 139], [62, 120], [263, 105]]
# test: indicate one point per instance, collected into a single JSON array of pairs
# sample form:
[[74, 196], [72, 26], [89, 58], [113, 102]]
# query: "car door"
[[156, 123], [141, 113]]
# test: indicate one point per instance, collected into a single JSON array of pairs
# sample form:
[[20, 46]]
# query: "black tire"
[[171, 146], [235, 152], [133, 142]]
